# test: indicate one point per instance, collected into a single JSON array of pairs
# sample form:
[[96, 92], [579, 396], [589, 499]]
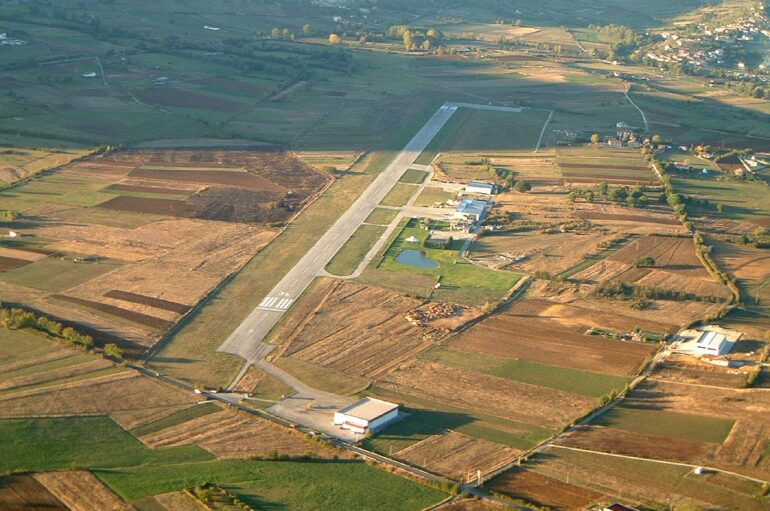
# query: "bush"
[[644, 262]]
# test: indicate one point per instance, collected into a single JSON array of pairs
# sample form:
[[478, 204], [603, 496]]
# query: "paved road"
[[246, 340]]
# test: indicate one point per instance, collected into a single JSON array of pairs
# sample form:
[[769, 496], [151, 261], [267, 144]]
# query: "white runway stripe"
[[276, 303]]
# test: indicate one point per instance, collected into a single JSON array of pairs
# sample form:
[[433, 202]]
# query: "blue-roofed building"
[[473, 210]]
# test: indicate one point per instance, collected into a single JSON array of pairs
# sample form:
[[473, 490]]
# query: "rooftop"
[[472, 207], [480, 184], [711, 340], [369, 409]]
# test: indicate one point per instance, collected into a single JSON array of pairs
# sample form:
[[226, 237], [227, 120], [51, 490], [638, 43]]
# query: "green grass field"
[[569, 380], [431, 196], [670, 424], [322, 378], [55, 275], [461, 281], [18, 345], [413, 176], [354, 250], [399, 195], [343, 484], [382, 216], [57, 443], [430, 415], [743, 201], [195, 411]]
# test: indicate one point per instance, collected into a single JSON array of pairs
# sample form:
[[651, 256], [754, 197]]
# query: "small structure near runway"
[[369, 414]]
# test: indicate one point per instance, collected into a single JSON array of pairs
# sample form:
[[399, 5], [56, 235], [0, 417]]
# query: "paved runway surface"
[[246, 340]]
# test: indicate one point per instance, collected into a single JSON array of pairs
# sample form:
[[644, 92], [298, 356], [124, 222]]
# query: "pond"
[[416, 258]]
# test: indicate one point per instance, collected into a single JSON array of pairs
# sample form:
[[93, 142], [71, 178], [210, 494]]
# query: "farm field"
[[677, 421], [642, 483], [543, 490], [746, 204], [17, 163], [456, 456], [214, 212], [586, 383], [579, 165], [368, 341], [676, 267], [553, 253], [474, 132], [554, 334], [294, 484], [81, 491], [25, 492], [749, 266]]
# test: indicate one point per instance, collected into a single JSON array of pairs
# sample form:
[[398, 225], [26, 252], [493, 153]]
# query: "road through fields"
[[246, 340]]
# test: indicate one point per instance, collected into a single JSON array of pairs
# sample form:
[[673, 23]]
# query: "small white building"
[[481, 187], [369, 414], [713, 343]]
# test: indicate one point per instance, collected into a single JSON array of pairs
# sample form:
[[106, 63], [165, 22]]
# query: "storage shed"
[[713, 343], [480, 187], [369, 414]]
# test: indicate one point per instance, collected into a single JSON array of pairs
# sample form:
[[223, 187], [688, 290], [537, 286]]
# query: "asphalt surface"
[[246, 340]]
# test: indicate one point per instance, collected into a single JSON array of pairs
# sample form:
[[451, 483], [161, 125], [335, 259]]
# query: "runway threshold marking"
[[275, 303]]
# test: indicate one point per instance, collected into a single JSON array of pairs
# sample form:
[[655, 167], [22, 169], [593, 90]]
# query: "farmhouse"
[[473, 210], [481, 187], [369, 414]]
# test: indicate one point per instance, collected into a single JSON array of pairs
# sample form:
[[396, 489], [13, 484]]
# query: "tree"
[[604, 188], [275, 33], [113, 350], [334, 39], [656, 139], [644, 262], [408, 39], [427, 45], [306, 29], [596, 138], [721, 207], [523, 186], [618, 194]]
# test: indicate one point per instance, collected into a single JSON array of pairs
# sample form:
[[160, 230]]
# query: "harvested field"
[[498, 397], [641, 482], [749, 266], [543, 490], [471, 504], [135, 317], [601, 164], [553, 333], [172, 501], [129, 398], [553, 253], [158, 303], [366, 341], [10, 263], [457, 456], [167, 207], [259, 384], [633, 443], [178, 98], [676, 267], [602, 218], [24, 493], [744, 446], [232, 435], [81, 491], [147, 189], [683, 369], [221, 202]]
